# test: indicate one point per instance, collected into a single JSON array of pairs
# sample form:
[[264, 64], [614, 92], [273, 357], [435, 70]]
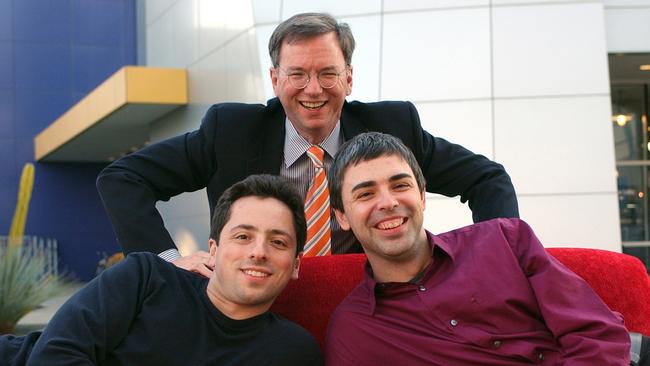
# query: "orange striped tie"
[[317, 208]]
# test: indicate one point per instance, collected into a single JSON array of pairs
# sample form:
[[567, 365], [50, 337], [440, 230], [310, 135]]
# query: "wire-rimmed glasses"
[[327, 78]]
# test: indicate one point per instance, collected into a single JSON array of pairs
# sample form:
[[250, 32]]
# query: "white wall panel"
[[177, 122], [187, 218], [243, 75], [365, 60], [628, 30], [263, 34], [185, 36], [238, 16], [160, 45], [195, 203], [581, 221], [211, 29], [207, 79], [404, 5], [436, 55], [468, 123], [155, 8], [334, 7], [443, 214], [552, 145], [545, 50], [537, 2], [267, 11], [624, 3], [220, 21], [189, 233]]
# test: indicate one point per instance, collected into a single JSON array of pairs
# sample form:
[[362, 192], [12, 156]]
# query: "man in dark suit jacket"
[[311, 76]]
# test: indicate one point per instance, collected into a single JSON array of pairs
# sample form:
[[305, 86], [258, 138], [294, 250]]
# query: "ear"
[[348, 81], [343, 221], [424, 200], [273, 72], [296, 267], [213, 247]]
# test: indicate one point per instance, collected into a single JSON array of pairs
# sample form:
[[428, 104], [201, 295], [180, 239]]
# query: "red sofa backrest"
[[620, 280]]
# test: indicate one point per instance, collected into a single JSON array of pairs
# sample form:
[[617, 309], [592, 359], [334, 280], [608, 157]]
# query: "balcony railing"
[[37, 246]]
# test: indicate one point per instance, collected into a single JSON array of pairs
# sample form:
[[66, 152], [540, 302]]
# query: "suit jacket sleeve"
[[131, 186], [452, 170]]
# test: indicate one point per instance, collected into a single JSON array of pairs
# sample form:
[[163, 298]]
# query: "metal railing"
[[45, 247]]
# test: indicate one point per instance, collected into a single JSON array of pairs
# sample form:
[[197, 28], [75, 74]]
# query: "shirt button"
[[454, 322], [541, 357], [496, 344], [422, 288]]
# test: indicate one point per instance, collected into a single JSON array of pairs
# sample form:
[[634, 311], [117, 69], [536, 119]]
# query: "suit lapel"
[[269, 143]]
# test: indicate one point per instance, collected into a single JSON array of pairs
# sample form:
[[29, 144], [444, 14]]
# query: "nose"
[[258, 249], [313, 86], [387, 200]]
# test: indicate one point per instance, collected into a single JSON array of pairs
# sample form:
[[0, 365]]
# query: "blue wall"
[[52, 53]]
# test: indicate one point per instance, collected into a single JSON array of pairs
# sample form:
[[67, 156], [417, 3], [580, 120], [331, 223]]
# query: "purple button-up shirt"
[[491, 296]]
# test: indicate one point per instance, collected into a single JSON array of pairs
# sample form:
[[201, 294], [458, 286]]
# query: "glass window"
[[630, 82]]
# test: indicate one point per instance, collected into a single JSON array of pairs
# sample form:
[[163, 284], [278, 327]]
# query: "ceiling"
[[629, 83], [624, 67]]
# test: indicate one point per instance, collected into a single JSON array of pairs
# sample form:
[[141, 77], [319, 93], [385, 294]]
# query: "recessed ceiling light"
[[644, 67], [621, 120]]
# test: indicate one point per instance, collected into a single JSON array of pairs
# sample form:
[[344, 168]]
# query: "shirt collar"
[[295, 145], [437, 244]]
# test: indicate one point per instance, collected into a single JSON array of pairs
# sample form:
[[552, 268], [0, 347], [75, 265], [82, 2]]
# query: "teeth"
[[312, 105], [255, 273], [390, 224]]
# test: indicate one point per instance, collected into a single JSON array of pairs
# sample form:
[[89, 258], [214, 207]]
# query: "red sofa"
[[619, 279]]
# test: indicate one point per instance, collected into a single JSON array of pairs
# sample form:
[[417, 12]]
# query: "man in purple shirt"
[[486, 294]]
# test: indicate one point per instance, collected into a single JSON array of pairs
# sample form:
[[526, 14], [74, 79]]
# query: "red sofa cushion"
[[619, 279], [323, 284]]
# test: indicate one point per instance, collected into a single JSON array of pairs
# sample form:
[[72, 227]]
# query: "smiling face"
[[384, 208], [255, 258], [313, 111]]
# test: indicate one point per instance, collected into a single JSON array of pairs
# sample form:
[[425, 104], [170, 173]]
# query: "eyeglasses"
[[327, 79]]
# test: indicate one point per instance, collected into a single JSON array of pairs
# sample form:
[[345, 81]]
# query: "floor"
[[38, 318]]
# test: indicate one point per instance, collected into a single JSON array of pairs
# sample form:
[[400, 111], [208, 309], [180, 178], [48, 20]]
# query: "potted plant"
[[24, 284], [25, 280]]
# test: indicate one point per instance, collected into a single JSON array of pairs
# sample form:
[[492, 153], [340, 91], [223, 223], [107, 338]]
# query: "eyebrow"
[[298, 68], [280, 232], [370, 183], [254, 228], [244, 226]]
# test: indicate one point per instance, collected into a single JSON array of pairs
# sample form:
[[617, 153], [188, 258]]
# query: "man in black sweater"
[[145, 311]]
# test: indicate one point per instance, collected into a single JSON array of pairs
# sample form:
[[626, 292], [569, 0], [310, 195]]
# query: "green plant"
[[22, 205], [24, 284]]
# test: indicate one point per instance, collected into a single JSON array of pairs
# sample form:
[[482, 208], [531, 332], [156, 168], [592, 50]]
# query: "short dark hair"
[[263, 186], [308, 25], [364, 147]]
